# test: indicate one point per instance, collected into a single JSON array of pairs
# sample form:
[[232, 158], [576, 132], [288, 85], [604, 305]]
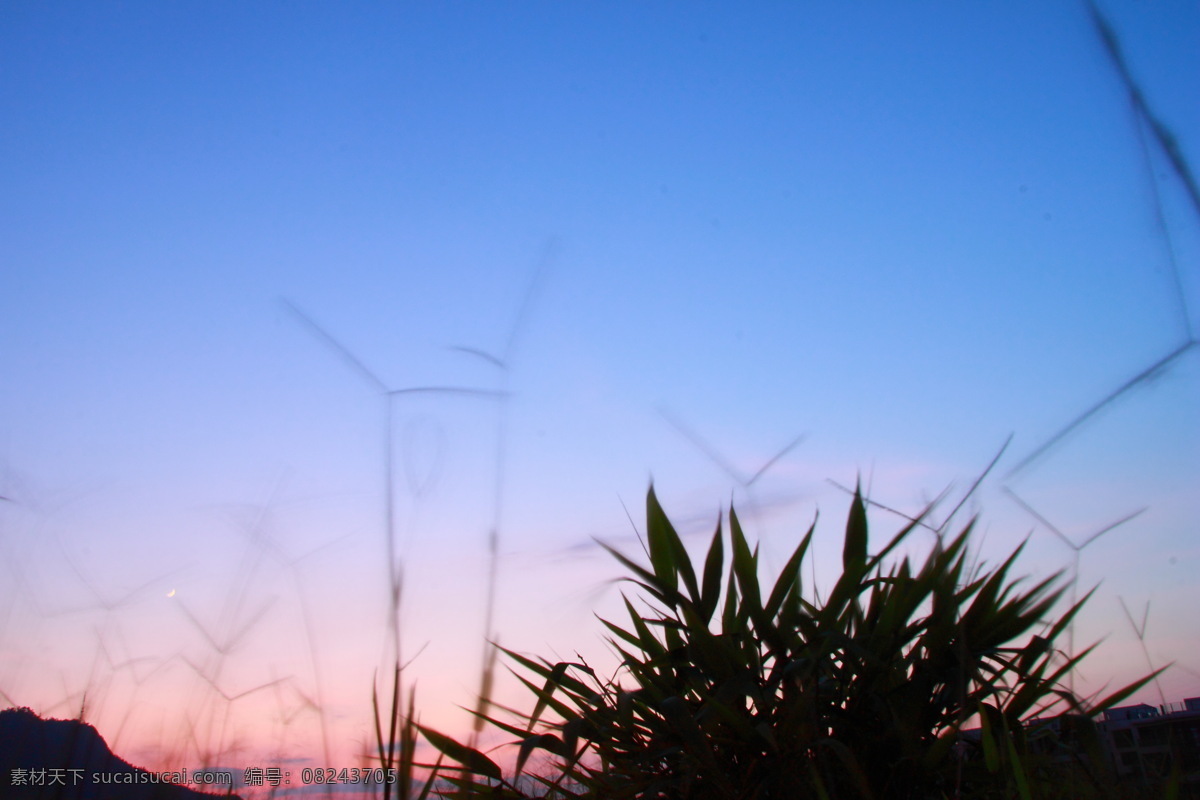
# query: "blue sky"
[[904, 232]]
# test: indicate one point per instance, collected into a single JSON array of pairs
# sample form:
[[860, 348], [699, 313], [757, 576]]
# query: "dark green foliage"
[[861, 696]]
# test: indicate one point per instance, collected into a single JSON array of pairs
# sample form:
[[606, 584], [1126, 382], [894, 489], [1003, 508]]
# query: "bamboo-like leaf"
[[545, 669], [714, 564], [647, 641], [519, 731], [854, 549], [664, 545], [732, 610], [543, 741], [472, 760], [745, 564], [549, 700], [660, 590], [789, 579], [621, 632], [1121, 694], [553, 681]]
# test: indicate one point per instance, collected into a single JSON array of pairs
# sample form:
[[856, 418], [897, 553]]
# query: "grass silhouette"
[[730, 687], [395, 710]]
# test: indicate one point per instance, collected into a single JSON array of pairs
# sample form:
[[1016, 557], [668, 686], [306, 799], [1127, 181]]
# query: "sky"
[[660, 243]]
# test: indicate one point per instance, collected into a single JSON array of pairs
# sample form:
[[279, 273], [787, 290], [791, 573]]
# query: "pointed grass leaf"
[[663, 591], [548, 700], [854, 549], [543, 741], [745, 563], [731, 613], [555, 680], [789, 580], [471, 759], [647, 641], [667, 555], [1121, 694], [714, 563], [621, 632]]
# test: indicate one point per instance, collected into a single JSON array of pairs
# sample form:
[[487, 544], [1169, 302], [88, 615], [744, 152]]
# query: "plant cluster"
[[729, 689]]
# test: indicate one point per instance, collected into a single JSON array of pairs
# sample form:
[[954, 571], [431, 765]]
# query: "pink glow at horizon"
[[673, 240]]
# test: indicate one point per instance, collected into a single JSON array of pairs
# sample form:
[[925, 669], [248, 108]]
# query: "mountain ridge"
[[55, 759]]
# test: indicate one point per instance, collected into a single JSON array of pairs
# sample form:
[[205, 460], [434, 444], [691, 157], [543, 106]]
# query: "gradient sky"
[[904, 231]]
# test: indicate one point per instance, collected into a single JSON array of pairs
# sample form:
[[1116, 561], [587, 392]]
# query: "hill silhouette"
[[57, 759]]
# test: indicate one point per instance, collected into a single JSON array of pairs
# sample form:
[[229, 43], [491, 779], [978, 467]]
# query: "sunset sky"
[[685, 233]]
